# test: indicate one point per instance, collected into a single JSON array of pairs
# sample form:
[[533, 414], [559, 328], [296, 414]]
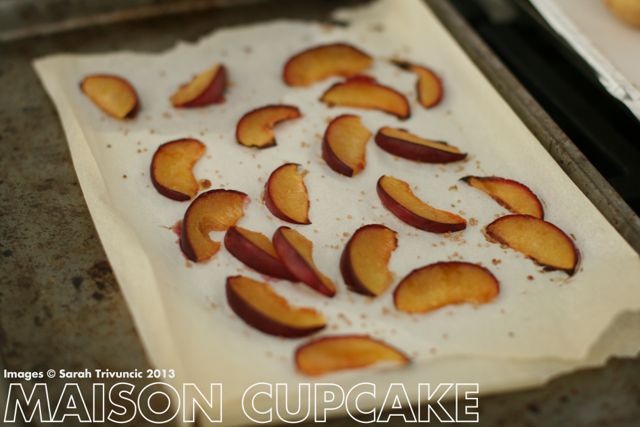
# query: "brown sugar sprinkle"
[[511, 334], [473, 221], [453, 188], [304, 145], [386, 311], [433, 350], [529, 277], [496, 261], [327, 28], [108, 145], [124, 176], [345, 234], [317, 135], [166, 115], [344, 318], [454, 237], [205, 183], [247, 49], [152, 131]]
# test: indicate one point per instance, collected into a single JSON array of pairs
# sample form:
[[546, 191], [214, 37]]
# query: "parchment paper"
[[534, 329]]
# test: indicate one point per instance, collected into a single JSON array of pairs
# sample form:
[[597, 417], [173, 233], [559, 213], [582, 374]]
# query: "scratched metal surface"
[[60, 306]]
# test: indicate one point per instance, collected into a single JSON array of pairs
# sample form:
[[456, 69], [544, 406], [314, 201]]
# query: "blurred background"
[[550, 67]]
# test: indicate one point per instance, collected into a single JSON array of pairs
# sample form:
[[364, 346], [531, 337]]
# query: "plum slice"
[[444, 283], [429, 85], [365, 259], [366, 93], [397, 197], [342, 352], [255, 128], [538, 239], [214, 210], [296, 253], [256, 251], [404, 144], [286, 196], [204, 89], [514, 196], [261, 307], [320, 62], [112, 94], [172, 168], [344, 145]]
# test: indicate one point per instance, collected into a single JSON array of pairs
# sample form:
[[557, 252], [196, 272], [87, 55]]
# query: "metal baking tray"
[[60, 306]]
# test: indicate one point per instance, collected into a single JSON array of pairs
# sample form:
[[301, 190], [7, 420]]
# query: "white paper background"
[[181, 310]]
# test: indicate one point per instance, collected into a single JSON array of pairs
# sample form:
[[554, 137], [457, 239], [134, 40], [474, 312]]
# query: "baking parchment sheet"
[[541, 323]]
